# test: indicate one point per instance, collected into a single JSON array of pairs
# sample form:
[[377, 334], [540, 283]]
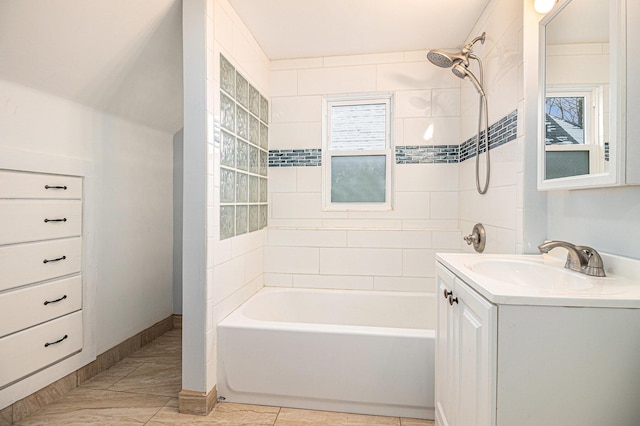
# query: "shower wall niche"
[[244, 154]]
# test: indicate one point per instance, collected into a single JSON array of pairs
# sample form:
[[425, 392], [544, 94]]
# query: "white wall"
[[127, 229], [500, 210], [178, 183], [394, 250], [194, 229]]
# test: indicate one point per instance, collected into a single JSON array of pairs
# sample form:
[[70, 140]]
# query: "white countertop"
[[619, 289]]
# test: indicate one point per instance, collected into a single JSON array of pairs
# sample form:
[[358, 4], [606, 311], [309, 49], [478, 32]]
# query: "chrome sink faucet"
[[579, 258]]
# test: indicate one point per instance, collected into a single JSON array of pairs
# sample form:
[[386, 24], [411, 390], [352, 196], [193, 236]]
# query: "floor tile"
[[6, 416], [222, 414], [85, 406], [152, 378], [165, 349], [292, 416], [416, 422], [111, 376]]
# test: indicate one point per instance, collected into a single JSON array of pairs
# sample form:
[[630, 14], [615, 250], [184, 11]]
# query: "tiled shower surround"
[[501, 132], [244, 154]]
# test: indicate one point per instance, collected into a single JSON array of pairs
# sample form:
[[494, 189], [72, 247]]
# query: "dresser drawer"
[[30, 350], [37, 185], [23, 221], [25, 263], [26, 307]]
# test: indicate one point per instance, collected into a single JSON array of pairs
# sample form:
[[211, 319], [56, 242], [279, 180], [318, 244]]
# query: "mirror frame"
[[617, 99]]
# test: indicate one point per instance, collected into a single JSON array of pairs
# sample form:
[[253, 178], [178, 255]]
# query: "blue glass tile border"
[[295, 157], [427, 154], [503, 131]]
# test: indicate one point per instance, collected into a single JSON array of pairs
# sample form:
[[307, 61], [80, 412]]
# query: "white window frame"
[[593, 119], [327, 154]]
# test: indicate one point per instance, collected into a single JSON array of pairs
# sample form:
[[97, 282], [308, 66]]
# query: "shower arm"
[[469, 46]]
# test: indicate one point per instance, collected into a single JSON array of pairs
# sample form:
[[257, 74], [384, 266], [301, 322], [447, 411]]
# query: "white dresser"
[[40, 271]]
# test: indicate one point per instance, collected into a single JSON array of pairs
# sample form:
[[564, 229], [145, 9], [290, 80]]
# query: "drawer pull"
[[54, 260], [64, 219], [46, 345], [55, 187], [55, 301]]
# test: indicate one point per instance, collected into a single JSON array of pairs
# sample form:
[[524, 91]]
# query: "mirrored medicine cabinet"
[[582, 95]]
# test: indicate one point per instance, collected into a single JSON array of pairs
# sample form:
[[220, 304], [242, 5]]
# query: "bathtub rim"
[[238, 319]]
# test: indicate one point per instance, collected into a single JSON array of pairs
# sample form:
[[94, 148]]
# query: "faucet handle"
[[594, 266]]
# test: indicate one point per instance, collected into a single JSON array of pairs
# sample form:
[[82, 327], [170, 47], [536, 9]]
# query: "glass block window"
[[244, 154], [357, 152]]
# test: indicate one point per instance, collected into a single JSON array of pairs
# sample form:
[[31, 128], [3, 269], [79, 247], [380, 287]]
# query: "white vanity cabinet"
[[465, 354], [41, 286], [548, 360]]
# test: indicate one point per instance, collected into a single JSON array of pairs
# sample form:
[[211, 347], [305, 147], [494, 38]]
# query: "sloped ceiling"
[[287, 29], [123, 57]]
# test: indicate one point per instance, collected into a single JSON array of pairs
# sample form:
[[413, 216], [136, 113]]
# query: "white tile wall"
[[307, 247], [296, 109], [356, 261], [322, 81], [291, 260], [297, 135], [404, 284], [333, 282], [434, 204], [502, 57], [431, 131]]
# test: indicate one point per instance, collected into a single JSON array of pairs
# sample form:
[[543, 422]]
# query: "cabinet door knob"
[[447, 293], [452, 300]]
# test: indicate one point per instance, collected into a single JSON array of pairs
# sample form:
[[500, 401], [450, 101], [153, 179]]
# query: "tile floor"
[[142, 389]]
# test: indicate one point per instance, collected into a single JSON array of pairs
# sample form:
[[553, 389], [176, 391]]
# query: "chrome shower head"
[[463, 72], [445, 59]]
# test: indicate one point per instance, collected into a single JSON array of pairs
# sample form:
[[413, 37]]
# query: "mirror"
[[579, 100]]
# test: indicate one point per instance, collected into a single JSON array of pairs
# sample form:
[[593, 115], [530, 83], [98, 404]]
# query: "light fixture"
[[543, 6]]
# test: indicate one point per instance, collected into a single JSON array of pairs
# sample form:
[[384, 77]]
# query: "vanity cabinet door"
[[476, 355], [446, 377], [466, 346]]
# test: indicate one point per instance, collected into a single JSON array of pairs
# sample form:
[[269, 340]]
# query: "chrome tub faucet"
[[581, 259]]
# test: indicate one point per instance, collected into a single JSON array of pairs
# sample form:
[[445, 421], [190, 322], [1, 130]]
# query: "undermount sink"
[[534, 274]]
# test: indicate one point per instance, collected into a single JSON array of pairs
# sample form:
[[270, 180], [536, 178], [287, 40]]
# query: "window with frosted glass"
[[358, 179], [357, 155]]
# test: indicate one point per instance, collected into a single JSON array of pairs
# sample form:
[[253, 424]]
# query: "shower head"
[[445, 59], [461, 71]]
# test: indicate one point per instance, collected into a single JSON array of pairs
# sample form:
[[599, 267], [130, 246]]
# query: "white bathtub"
[[352, 351]]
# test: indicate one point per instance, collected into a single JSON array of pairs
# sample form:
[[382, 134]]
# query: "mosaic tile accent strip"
[[435, 154], [606, 151], [244, 154], [295, 157], [501, 132]]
